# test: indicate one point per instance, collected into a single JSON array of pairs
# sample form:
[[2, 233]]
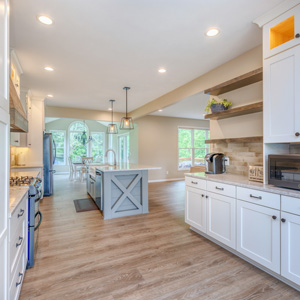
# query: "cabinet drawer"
[[196, 182], [221, 188], [17, 278], [259, 197], [17, 240], [290, 204], [19, 215]]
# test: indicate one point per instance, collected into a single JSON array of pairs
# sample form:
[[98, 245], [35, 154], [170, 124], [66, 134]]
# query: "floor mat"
[[85, 205]]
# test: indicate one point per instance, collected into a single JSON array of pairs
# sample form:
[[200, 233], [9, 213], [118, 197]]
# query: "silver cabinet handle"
[[194, 182], [21, 213], [256, 197], [20, 242], [218, 188], [20, 275]]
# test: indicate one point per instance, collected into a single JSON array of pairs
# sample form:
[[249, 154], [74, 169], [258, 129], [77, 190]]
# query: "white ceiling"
[[98, 46], [190, 108]]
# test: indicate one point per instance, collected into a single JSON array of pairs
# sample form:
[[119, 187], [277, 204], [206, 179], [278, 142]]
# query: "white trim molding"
[[166, 180], [275, 12]]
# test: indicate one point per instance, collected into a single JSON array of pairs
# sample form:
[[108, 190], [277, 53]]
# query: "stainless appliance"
[[49, 156], [34, 214], [215, 163], [284, 170], [94, 188]]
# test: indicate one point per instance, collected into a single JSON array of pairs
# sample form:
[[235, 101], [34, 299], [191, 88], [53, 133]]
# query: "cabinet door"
[[221, 218], [281, 97], [258, 234], [15, 139], [290, 247], [281, 33], [195, 208]]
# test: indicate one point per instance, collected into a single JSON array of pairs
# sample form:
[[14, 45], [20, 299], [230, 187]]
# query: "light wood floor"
[[153, 256]]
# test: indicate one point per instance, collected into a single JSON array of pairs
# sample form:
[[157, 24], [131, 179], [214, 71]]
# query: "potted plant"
[[217, 106]]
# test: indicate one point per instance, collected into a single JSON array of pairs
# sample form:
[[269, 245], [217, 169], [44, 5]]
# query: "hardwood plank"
[[236, 111], [236, 83], [151, 256]]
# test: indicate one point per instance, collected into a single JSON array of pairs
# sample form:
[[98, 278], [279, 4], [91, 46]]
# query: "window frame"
[[65, 144], [90, 145], [192, 144]]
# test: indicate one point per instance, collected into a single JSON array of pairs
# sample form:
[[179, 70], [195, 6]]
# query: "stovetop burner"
[[21, 181]]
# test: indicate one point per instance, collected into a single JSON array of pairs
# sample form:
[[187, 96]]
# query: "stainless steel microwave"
[[284, 170]]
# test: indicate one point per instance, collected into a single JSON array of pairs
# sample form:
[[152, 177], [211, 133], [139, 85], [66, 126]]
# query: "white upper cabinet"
[[282, 97], [282, 33]]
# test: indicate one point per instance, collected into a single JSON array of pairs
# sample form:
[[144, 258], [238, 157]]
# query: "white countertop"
[[25, 173], [243, 181], [26, 166], [16, 194], [125, 167]]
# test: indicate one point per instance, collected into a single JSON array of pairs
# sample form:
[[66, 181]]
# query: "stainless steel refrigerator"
[[49, 155]]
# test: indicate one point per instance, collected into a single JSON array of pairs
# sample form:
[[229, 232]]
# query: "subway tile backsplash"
[[241, 155]]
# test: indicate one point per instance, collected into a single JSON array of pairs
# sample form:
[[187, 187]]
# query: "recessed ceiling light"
[[49, 69], [45, 20], [162, 70], [50, 96], [110, 108], [160, 110], [212, 32]]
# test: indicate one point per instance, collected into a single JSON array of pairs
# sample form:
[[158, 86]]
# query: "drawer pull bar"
[[255, 197], [20, 242], [20, 275], [218, 188], [21, 213], [194, 182]]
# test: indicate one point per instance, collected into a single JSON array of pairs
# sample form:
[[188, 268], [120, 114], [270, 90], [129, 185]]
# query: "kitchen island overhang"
[[123, 190]]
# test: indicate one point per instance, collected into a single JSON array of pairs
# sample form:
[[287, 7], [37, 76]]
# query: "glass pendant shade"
[[112, 128], [126, 122]]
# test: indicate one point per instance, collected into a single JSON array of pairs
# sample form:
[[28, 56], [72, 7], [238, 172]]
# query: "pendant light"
[[126, 122], [112, 128]]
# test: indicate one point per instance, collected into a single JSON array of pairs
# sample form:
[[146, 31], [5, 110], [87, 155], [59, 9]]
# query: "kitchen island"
[[119, 190]]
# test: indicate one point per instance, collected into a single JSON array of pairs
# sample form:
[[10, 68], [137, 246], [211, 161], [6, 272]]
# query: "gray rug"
[[87, 204]]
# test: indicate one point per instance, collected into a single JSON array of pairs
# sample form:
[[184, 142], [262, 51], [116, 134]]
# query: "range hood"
[[18, 119]]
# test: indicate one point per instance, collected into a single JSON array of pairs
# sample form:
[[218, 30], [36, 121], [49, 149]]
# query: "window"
[[191, 147], [59, 137], [123, 148], [97, 146], [76, 147]]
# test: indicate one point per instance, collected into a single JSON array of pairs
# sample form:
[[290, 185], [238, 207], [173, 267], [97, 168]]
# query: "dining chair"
[[84, 169], [73, 170]]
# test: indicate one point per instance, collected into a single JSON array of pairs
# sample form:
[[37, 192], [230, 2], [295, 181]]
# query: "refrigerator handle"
[[54, 158]]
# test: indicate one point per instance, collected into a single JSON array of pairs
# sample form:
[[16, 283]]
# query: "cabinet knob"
[[206, 196], [16, 141], [297, 134], [274, 217], [283, 220], [297, 35], [202, 195]]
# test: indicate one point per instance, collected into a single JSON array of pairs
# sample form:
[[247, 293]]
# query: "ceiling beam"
[[242, 64]]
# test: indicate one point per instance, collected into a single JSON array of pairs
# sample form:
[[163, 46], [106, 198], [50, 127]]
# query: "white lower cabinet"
[[290, 247], [195, 208], [258, 234], [221, 212]]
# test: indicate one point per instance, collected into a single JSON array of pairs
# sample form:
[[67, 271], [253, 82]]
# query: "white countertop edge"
[[129, 167], [16, 194], [242, 181]]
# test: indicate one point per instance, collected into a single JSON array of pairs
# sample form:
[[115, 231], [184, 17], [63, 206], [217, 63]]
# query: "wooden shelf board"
[[237, 111], [236, 83], [251, 139]]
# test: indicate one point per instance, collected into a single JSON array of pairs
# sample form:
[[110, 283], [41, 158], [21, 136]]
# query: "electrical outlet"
[[226, 161]]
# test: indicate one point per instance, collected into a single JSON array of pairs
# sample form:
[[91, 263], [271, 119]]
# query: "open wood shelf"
[[236, 83], [251, 139], [237, 111]]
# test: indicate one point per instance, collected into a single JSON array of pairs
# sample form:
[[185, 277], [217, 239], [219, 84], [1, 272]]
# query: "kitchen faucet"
[[115, 162]]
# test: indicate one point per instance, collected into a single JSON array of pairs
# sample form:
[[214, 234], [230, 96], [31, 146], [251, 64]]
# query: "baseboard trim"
[[165, 180], [250, 261]]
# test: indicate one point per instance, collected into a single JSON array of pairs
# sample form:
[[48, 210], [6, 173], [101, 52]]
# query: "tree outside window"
[[59, 137], [97, 146], [76, 148], [191, 147]]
